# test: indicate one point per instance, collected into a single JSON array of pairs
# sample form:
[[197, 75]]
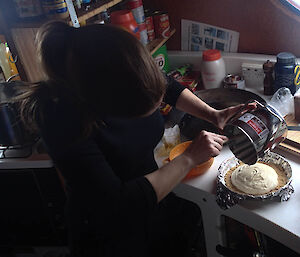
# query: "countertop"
[[279, 220]]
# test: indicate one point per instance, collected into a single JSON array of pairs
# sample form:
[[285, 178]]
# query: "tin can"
[[143, 33], [28, 8], [161, 24], [137, 9], [234, 81], [56, 8], [150, 28]]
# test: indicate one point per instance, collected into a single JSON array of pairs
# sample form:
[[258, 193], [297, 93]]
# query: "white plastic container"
[[212, 69]]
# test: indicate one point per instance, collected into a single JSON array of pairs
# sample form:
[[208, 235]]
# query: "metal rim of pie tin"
[[226, 198]]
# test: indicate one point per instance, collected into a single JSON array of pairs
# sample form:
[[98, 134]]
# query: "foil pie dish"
[[227, 197]]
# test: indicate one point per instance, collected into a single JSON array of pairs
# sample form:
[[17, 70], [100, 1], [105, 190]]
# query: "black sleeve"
[[94, 188], [173, 91]]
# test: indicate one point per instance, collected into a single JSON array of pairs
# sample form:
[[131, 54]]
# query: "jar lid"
[[211, 55], [286, 58], [122, 16]]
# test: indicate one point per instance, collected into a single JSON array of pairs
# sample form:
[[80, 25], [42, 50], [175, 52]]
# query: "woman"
[[97, 113]]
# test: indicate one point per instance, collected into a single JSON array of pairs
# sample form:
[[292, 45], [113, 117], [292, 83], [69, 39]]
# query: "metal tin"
[[227, 198], [161, 24], [28, 9], [150, 28], [254, 132], [56, 8], [234, 81]]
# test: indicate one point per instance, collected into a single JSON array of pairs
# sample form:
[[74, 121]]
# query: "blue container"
[[284, 72]]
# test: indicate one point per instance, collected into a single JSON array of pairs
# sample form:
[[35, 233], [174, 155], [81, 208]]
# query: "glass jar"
[[284, 72]]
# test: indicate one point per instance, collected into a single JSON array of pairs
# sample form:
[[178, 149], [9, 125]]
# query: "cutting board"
[[292, 142]]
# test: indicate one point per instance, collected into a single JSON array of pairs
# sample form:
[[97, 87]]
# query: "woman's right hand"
[[205, 146]]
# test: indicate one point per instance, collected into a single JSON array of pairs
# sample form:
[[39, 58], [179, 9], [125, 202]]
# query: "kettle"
[[252, 133]]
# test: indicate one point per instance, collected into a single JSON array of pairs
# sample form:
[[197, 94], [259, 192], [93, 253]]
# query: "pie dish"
[[228, 195]]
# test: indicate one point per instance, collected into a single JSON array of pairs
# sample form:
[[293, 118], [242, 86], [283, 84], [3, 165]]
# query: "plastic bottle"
[[284, 72], [212, 69], [125, 19]]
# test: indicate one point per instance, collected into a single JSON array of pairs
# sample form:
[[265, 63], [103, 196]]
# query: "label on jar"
[[256, 124]]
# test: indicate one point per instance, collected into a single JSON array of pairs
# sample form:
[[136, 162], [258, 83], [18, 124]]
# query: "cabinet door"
[[32, 209], [24, 41]]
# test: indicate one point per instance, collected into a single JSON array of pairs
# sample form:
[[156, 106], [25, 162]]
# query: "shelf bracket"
[[73, 14]]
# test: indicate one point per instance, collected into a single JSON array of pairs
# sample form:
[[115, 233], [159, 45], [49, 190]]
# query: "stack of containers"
[[137, 9]]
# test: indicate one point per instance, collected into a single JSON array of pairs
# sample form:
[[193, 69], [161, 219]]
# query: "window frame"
[[292, 5]]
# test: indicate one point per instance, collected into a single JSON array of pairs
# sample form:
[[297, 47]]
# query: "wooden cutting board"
[[292, 142]]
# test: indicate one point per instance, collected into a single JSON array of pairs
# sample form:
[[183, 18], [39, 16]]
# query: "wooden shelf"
[[95, 9], [82, 15], [158, 42]]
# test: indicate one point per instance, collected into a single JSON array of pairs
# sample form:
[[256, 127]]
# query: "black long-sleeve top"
[[108, 194]]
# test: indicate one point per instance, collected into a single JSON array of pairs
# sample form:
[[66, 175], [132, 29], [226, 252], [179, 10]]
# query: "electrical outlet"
[[253, 74]]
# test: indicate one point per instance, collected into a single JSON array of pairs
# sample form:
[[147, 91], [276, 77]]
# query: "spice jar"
[[212, 69]]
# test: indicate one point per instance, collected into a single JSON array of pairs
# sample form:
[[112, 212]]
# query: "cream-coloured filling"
[[254, 179]]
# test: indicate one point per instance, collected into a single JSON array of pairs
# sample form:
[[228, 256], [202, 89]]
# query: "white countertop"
[[279, 220]]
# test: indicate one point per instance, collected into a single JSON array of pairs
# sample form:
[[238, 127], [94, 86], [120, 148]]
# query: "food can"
[[234, 81], [161, 24], [137, 9], [56, 8], [28, 9], [143, 33], [150, 28]]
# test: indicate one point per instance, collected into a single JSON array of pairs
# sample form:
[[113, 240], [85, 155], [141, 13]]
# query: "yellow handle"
[[297, 75]]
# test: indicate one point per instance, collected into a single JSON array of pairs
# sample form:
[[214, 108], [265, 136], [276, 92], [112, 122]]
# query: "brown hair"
[[106, 69]]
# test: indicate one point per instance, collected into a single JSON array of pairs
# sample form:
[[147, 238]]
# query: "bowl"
[[226, 197], [199, 169]]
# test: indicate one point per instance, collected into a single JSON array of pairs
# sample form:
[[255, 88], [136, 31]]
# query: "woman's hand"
[[222, 116], [205, 146]]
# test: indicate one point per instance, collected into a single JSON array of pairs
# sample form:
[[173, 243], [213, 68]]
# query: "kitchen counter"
[[278, 220]]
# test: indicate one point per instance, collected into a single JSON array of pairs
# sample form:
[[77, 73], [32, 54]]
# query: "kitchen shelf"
[[82, 15], [95, 9], [154, 45]]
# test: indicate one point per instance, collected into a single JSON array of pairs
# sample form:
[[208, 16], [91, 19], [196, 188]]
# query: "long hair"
[[105, 68]]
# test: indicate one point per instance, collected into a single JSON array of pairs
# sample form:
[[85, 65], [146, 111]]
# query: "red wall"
[[265, 26]]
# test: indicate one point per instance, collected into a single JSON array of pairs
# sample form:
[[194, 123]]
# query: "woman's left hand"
[[222, 116]]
